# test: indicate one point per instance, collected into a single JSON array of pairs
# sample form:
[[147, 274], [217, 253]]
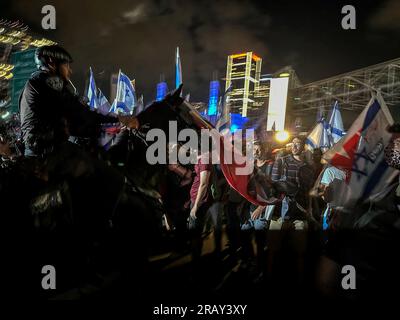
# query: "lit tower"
[[243, 71], [214, 95], [162, 88]]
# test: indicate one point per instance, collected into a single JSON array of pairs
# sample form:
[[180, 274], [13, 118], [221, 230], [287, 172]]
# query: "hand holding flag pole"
[[130, 122]]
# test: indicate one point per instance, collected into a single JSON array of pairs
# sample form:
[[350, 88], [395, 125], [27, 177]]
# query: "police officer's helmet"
[[56, 53]]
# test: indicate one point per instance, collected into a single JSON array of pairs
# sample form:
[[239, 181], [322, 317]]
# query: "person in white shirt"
[[330, 174]]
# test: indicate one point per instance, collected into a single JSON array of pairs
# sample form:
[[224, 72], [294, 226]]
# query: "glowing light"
[[284, 75], [277, 103], [282, 136], [42, 42], [5, 115], [256, 58], [213, 100], [238, 55], [234, 127], [237, 121], [6, 67]]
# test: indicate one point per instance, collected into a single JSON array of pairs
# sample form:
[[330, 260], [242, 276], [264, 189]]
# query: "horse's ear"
[[177, 93], [175, 98]]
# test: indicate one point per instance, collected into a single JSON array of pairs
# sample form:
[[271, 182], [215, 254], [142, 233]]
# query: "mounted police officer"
[[51, 112]]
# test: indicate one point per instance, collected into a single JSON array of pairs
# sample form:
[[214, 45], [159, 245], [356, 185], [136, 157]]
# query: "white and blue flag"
[[92, 92], [336, 124], [178, 69], [361, 154], [319, 137], [103, 104], [125, 101]]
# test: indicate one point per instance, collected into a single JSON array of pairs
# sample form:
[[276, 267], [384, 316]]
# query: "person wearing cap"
[[49, 108], [51, 112]]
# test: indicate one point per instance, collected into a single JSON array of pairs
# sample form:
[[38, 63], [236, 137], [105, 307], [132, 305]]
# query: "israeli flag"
[[319, 137], [178, 69], [361, 154], [104, 105], [92, 92], [336, 124], [125, 100]]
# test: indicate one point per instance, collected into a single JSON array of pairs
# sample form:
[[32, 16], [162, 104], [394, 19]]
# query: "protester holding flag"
[[361, 154], [367, 205]]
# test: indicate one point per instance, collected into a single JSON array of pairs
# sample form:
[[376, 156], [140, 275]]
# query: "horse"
[[78, 223]]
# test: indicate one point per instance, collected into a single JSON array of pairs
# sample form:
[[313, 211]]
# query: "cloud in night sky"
[[388, 16]]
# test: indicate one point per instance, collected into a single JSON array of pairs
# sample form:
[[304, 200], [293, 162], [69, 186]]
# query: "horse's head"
[[172, 108]]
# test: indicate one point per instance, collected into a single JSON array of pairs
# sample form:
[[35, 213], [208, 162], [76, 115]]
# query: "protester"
[[254, 219], [218, 193], [289, 220], [329, 175], [200, 202]]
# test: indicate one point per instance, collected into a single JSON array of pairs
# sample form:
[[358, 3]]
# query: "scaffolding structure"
[[352, 89]]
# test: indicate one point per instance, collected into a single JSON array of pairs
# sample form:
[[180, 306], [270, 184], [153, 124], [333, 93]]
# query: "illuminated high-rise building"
[[243, 72], [16, 62], [162, 89], [213, 98]]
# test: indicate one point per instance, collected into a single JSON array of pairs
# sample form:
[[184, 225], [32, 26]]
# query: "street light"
[[282, 136]]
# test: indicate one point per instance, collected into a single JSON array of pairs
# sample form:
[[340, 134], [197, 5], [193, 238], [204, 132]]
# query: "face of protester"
[[297, 147], [317, 155], [257, 151], [65, 71]]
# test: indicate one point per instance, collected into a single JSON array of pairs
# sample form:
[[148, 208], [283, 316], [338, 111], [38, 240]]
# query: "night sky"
[[140, 37]]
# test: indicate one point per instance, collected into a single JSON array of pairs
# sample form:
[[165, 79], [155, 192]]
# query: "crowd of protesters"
[[272, 228], [298, 239], [285, 239]]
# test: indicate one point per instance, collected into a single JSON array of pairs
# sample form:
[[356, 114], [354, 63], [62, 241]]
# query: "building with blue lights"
[[213, 98], [162, 89]]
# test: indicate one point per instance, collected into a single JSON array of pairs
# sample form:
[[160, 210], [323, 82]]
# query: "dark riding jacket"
[[50, 113]]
